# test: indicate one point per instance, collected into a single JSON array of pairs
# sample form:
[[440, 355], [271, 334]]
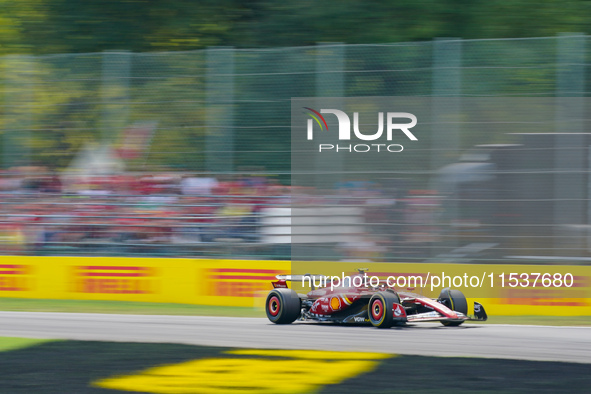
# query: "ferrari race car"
[[381, 306]]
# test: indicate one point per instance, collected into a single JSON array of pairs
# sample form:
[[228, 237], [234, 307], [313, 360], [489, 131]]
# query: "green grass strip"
[[124, 307], [12, 343], [149, 308]]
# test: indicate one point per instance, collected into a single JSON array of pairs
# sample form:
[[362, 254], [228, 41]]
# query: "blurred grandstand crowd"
[[173, 214]]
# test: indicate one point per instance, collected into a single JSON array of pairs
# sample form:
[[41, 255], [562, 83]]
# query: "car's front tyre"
[[456, 301]]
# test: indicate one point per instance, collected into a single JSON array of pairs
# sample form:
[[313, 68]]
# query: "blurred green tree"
[[57, 26]]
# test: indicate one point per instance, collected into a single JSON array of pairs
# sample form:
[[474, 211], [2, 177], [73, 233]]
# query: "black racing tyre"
[[396, 296], [456, 301], [283, 306], [379, 309]]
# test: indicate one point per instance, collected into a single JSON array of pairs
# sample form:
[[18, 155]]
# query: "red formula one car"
[[381, 306]]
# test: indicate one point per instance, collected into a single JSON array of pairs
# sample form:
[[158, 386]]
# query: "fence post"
[[570, 154], [115, 73], [330, 59], [18, 110], [220, 110], [446, 106], [446, 92]]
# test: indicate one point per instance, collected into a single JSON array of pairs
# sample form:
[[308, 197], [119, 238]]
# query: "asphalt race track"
[[544, 343]]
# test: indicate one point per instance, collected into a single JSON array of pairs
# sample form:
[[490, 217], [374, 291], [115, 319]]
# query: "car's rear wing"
[[313, 279], [294, 278]]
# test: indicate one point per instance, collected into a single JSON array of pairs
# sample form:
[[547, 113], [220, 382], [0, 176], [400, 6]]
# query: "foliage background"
[[71, 84]]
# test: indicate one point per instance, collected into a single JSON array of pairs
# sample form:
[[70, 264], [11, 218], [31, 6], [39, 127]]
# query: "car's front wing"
[[479, 315]]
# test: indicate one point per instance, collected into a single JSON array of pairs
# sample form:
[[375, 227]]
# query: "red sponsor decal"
[[14, 277], [245, 270], [240, 282], [114, 279], [548, 296], [321, 306], [280, 284], [237, 289], [398, 311], [243, 273], [544, 301], [539, 282]]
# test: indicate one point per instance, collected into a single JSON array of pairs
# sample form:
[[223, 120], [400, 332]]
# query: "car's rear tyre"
[[283, 306], [456, 301], [379, 309]]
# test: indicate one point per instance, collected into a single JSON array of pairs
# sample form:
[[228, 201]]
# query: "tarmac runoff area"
[[542, 343]]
